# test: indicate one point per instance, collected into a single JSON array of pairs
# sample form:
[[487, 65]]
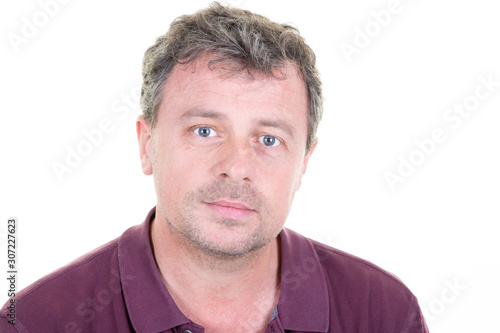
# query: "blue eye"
[[205, 132], [269, 141]]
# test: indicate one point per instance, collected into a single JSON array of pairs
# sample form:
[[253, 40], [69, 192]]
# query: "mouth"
[[229, 209]]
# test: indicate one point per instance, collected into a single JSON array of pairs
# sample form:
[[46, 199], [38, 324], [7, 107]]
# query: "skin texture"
[[227, 156]]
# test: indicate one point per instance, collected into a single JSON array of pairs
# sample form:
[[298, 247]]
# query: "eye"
[[205, 132], [269, 141]]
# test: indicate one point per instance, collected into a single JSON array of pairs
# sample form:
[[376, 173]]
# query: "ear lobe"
[[306, 161], [145, 137]]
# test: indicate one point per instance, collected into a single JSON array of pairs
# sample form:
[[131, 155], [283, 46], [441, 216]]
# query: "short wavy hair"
[[247, 41]]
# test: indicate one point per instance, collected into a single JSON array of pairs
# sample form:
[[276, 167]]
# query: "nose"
[[236, 163]]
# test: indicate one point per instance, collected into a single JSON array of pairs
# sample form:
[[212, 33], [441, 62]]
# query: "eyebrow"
[[201, 113], [279, 124]]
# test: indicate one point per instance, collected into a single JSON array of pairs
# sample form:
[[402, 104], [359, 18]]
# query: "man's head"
[[238, 40], [231, 103]]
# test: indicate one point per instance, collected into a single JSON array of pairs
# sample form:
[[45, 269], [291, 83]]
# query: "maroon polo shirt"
[[118, 288]]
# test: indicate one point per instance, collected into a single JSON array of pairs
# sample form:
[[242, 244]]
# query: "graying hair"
[[245, 40]]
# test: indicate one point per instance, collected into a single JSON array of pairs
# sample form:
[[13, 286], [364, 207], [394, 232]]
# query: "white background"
[[437, 228]]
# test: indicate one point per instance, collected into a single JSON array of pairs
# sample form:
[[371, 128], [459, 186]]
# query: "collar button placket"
[[190, 328]]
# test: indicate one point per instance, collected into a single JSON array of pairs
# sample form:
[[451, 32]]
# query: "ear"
[[306, 161], [145, 138]]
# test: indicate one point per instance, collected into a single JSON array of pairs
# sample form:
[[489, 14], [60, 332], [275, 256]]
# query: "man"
[[231, 105]]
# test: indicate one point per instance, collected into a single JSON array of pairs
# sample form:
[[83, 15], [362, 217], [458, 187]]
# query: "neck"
[[182, 263], [224, 287]]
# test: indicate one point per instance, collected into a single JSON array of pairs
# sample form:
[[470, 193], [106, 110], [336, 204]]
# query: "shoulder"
[[360, 293], [71, 293], [341, 267]]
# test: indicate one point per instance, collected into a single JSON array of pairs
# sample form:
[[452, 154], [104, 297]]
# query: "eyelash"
[[194, 128]]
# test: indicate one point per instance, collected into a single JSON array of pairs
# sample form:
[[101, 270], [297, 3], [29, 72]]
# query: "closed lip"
[[231, 204]]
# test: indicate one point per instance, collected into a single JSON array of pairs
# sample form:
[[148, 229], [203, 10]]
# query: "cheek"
[[280, 183], [174, 170]]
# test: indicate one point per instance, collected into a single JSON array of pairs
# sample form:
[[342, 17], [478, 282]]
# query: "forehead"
[[195, 85]]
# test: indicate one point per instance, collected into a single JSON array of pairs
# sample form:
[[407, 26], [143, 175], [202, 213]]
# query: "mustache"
[[221, 190]]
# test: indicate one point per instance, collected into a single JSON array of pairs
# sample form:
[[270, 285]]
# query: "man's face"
[[227, 156]]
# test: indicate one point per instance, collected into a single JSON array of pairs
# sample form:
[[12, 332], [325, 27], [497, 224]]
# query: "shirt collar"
[[303, 303], [145, 294], [304, 298]]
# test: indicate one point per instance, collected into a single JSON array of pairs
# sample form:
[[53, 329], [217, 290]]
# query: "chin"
[[230, 243]]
